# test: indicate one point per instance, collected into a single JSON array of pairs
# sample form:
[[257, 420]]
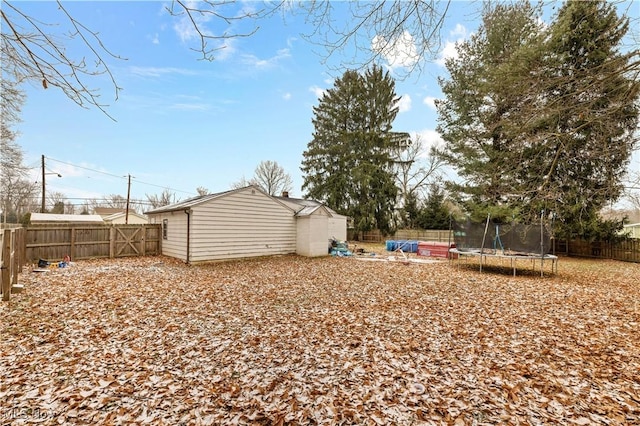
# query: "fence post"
[[72, 249], [112, 242], [143, 248], [6, 265], [21, 244]]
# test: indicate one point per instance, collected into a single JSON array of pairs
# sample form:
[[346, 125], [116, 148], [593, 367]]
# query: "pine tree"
[[483, 95], [434, 214], [591, 114], [542, 119], [348, 162]]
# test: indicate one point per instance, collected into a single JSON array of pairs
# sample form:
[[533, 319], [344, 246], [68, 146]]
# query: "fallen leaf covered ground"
[[294, 340]]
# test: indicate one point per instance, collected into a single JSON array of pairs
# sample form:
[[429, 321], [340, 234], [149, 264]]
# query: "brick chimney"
[[285, 194]]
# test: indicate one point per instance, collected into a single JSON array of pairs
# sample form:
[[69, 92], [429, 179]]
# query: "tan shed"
[[336, 223], [312, 230]]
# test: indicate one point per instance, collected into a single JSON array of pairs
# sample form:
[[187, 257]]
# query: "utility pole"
[[126, 216], [43, 186]]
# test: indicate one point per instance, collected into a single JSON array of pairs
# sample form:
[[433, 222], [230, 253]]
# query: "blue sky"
[[182, 122]]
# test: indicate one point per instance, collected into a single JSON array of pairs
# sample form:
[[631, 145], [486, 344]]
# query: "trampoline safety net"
[[502, 239]]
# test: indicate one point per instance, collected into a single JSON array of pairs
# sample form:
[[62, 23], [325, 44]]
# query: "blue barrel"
[[391, 245], [413, 246], [402, 245]]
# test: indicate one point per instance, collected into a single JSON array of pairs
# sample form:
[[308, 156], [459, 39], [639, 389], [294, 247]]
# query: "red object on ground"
[[436, 249]]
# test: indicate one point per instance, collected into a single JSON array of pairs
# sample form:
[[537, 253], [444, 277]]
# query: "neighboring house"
[[240, 223], [632, 230], [51, 218], [121, 218], [107, 211]]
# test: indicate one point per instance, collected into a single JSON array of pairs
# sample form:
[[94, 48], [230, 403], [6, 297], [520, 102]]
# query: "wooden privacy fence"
[[11, 259], [626, 250], [54, 242], [376, 236]]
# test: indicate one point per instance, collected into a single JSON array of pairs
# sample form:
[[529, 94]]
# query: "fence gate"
[[128, 241]]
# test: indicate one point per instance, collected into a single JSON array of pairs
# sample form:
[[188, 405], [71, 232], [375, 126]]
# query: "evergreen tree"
[[590, 117], [485, 92], [348, 162], [434, 214], [410, 211], [542, 119]]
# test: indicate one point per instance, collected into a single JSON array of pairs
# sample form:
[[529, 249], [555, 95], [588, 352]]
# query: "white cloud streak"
[[430, 101], [404, 104], [398, 53], [457, 35]]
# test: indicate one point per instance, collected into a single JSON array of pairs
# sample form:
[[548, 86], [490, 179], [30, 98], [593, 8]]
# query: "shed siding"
[[242, 224], [338, 227], [312, 235], [176, 243]]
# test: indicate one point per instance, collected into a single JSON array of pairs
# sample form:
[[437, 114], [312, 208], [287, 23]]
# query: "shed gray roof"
[[309, 210], [306, 205]]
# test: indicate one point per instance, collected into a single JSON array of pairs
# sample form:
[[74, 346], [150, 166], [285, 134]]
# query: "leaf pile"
[[294, 340]]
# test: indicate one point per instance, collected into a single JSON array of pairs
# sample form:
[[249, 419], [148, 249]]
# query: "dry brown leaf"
[[292, 340]]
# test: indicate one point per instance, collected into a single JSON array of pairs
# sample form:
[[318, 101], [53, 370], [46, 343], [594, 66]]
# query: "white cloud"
[[430, 101], [286, 96], [226, 50], [319, 92], [457, 35], [404, 104], [430, 138], [449, 51], [190, 106], [186, 31], [159, 71], [155, 39], [400, 52], [254, 61], [459, 32]]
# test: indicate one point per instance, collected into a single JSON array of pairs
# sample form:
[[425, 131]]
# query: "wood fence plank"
[[53, 242], [5, 266]]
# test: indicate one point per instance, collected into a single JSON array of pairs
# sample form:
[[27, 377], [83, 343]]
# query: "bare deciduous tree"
[[167, 197], [31, 52], [415, 168], [201, 190], [15, 188], [270, 177], [403, 33]]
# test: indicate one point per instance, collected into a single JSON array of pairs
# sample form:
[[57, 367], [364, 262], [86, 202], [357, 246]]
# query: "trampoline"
[[513, 242]]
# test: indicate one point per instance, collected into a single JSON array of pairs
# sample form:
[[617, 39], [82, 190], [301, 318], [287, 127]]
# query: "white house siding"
[[247, 223], [175, 245], [632, 230], [312, 234]]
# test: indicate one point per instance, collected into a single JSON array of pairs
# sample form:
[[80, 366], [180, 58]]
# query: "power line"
[[86, 168], [122, 177]]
